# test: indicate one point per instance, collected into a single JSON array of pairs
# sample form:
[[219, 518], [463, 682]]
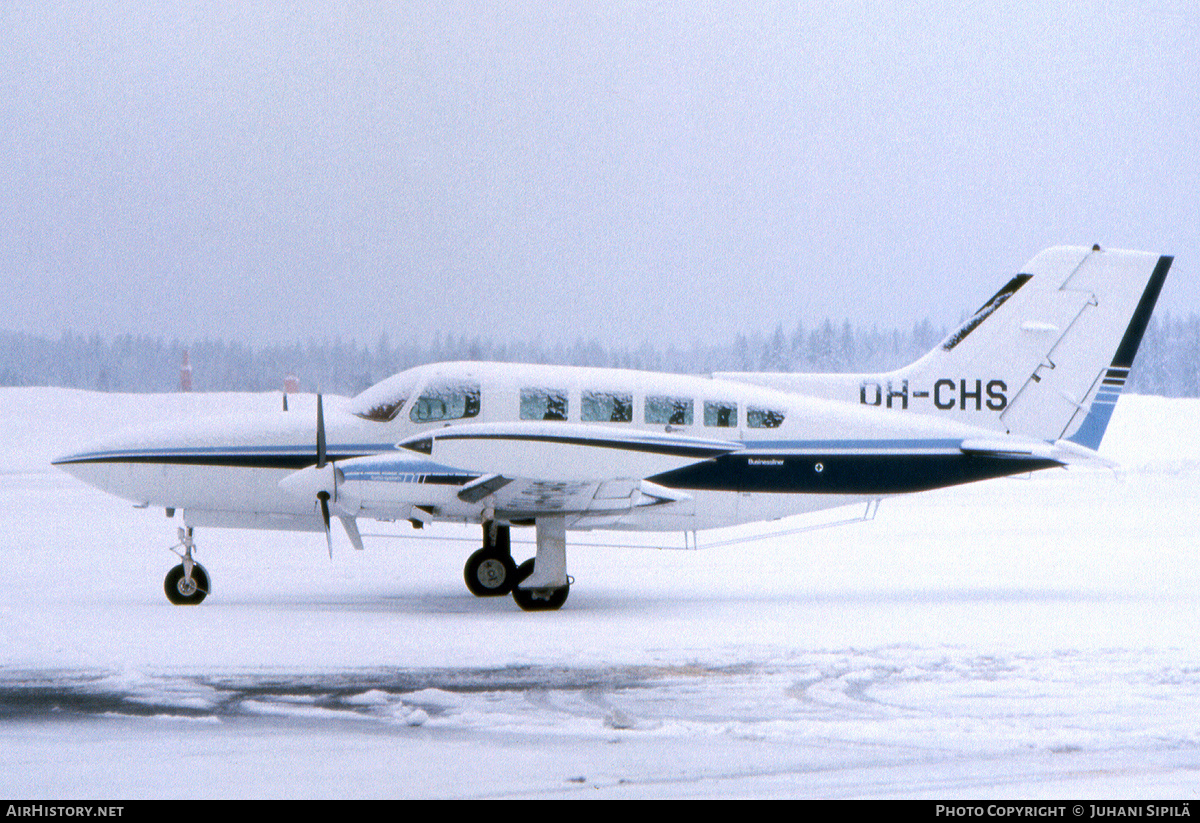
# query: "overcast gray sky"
[[670, 172]]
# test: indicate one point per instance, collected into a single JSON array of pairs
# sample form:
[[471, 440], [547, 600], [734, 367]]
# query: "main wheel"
[[488, 574], [537, 600], [184, 592]]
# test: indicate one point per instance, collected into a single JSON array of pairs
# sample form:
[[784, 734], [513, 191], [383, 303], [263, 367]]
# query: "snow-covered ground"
[[1031, 637]]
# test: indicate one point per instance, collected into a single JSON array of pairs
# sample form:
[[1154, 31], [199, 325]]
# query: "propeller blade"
[[323, 496], [321, 437], [352, 531]]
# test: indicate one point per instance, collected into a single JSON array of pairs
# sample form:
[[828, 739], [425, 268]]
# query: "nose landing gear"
[[186, 584]]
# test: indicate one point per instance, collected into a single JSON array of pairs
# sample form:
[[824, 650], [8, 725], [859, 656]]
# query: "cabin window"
[[607, 407], [446, 401], [764, 418], [720, 413], [674, 411], [543, 404]]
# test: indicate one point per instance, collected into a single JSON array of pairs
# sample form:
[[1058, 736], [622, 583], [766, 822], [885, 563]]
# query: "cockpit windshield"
[[383, 401]]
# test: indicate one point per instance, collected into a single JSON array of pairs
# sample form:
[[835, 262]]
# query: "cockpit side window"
[[674, 411], [607, 407], [383, 401], [757, 418], [543, 404], [446, 401], [384, 412]]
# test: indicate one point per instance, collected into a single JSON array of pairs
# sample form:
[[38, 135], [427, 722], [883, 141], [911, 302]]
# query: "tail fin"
[[1045, 357], [1038, 408]]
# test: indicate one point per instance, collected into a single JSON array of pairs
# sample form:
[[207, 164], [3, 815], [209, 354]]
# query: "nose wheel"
[[185, 590], [186, 584]]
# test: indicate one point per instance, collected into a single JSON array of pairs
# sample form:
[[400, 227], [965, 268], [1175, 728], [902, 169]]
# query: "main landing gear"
[[186, 584], [539, 584], [491, 571]]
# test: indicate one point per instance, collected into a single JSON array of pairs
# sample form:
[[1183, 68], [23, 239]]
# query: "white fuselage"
[[797, 453]]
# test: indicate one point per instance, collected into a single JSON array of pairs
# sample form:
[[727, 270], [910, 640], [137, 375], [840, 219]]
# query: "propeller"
[[322, 480], [323, 494]]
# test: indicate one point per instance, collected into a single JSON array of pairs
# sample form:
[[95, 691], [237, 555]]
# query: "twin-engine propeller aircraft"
[[1028, 382]]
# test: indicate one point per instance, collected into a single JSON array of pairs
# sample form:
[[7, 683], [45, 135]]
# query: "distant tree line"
[[1167, 364]]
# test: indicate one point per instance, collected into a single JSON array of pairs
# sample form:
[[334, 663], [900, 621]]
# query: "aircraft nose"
[[91, 467], [124, 463], [193, 459], [64, 460]]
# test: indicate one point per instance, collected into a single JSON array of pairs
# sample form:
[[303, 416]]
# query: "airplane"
[[1028, 382]]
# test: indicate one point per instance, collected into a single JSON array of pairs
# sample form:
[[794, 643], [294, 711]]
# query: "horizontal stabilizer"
[[1017, 447], [1063, 452]]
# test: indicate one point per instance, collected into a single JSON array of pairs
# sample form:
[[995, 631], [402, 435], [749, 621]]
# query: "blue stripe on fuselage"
[[263, 457], [777, 466]]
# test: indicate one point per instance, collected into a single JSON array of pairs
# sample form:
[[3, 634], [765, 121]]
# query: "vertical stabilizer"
[[1045, 357]]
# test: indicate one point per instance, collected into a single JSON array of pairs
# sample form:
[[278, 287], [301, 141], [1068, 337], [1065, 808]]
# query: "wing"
[[523, 498], [519, 471]]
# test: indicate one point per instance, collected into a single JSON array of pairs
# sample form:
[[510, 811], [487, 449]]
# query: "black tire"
[[181, 594], [537, 600], [488, 574]]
